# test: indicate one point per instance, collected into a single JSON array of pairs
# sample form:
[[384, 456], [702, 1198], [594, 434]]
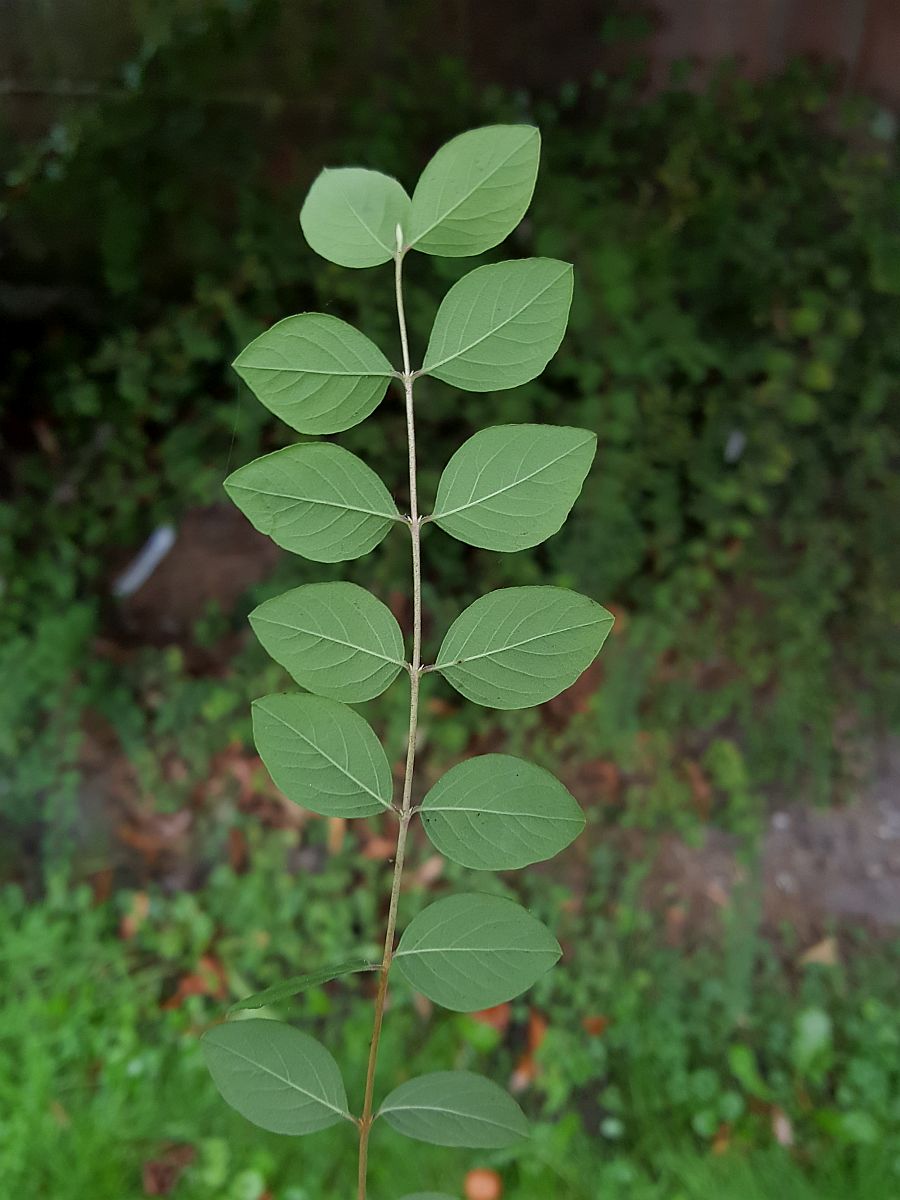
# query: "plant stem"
[[415, 671]]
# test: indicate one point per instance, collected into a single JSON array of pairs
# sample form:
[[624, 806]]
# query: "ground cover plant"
[[102, 1077], [506, 489]]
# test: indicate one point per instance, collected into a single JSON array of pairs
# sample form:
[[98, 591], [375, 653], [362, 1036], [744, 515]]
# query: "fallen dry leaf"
[[497, 1017], [700, 786], [782, 1129], [483, 1184], [537, 1030], [135, 917], [208, 980], [337, 827], [603, 776], [676, 920], [595, 1026], [423, 1006], [101, 884], [238, 850], [431, 870], [379, 849], [526, 1067], [160, 1175], [722, 1140], [824, 953]]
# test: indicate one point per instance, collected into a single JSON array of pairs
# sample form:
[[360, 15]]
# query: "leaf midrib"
[[469, 194], [395, 662], [368, 512], [283, 1079], [472, 950], [371, 232], [451, 512], [496, 812], [458, 662], [383, 374], [453, 1112], [359, 783], [430, 368]]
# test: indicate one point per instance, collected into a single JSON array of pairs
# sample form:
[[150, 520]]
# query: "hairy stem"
[[415, 671]]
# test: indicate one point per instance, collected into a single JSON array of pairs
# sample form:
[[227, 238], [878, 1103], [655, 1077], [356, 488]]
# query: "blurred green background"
[[725, 1021]]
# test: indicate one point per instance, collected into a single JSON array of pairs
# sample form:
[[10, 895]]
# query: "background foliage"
[[732, 342]]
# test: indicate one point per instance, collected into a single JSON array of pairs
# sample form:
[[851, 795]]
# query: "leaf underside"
[[498, 813], [506, 489], [335, 639], [512, 486], [517, 647], [322, 755], [475, 190], [277, 1077], [500, 325], [301, 983], [315, 372], [472, 951], [350, 216], [315, 499], [455, 1108]]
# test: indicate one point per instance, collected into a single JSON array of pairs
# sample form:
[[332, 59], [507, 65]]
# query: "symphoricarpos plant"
[[507, 488]]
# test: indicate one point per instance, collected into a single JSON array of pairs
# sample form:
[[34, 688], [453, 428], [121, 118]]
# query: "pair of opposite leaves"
[[466, 952], [445, 1108]]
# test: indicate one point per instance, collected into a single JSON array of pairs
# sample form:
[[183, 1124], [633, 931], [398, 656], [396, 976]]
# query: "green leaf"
[[473, 951], [500, 325], [301, 983], [744, 1067], [512, 486], [350, 216], [475, 190], [275, 1076], [497, 813], [322, 755], [455, 1108], [315, 372], [521, 646], [430, 1196], [335, 639], [316, 499]]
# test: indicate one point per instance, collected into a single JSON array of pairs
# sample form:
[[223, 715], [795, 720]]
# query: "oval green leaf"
[[301, 983], [315, 372], [277, 1077], [498, 813], [472, 951], [322, 755], [316, 499], [475, 190], [521, 646], [500, 325], [350, 216], [512, 486], [455, 1108], [335, 639]]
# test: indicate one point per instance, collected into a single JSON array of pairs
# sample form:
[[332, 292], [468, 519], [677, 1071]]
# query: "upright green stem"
[[415, 672]]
